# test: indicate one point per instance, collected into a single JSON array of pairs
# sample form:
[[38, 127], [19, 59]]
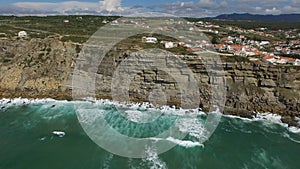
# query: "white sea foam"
[[269, 118], [59, 133], [274, 118], [122, 105], [43, 138], [183, 143], [25, 101], [191, 126], [142, 116], [294, 130], [286, 135], [298, 120], [106, 164], [152, 159], [264, 160], [89, 116], [169, 110], [131, 165], [238, 117]]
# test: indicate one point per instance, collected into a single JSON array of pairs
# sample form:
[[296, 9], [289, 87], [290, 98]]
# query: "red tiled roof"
[[224, 39], [220, 45], [194, 49], [287, 58], [237, 46], [269, 57]]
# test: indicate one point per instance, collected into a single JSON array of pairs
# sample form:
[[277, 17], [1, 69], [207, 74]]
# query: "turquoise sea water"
[[27, 141]]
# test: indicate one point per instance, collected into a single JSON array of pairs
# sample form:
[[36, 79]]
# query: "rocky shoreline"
[[43, 68]]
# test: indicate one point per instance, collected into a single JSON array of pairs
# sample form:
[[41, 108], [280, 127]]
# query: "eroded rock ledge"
[[44, 68]]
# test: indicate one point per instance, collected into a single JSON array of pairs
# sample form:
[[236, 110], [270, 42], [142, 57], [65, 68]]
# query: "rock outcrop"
[[43, 68]]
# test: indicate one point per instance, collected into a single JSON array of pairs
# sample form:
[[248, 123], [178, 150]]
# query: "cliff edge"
[[42, 68]]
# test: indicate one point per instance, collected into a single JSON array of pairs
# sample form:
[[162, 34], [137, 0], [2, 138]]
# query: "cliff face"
[[43, 68], [250, 87], [263, 88], [35, 68]]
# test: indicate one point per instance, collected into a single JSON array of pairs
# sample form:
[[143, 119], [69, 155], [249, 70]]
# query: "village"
[[285, 52], [233, 41], [278, 47]]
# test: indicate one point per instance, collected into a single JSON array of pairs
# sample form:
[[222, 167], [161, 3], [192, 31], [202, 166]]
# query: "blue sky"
[[196, 8], [124, 2]]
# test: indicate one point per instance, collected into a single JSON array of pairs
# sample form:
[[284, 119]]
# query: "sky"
[[187, 8]]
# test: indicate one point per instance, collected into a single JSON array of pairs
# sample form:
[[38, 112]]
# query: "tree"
[[215, 40]]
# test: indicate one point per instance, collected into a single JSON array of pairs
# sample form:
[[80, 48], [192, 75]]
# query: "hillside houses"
[[250, 52], [257, 44], [281, 60]]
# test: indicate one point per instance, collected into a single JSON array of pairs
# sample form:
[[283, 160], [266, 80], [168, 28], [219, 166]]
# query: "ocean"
[[47, 134]]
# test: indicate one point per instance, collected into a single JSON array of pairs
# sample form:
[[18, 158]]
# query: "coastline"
[[250, 87], [264, 117], [256, 116]]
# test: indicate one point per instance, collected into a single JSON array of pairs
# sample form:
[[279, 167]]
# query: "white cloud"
[[223, 3], [208, 3], [202, 8], [291, 9], [111, 5], [273, 11], [55, 6], [258, 8], [68, 6], [295, 3]]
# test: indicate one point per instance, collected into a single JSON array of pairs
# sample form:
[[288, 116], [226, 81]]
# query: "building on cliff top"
[[22, 34], [149, 40]]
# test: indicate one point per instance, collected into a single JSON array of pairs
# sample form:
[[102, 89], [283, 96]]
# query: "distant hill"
[[251, 17]]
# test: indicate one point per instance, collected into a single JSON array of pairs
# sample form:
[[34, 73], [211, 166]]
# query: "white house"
[[191, 28], [150, 40], [271, 58], [200, 23], [115, 22], [169, 45], [262, 43], [250, 53], [282, 61], [297, 62], [22, 34]]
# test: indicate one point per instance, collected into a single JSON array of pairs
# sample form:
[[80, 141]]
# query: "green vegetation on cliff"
[[74, 28]]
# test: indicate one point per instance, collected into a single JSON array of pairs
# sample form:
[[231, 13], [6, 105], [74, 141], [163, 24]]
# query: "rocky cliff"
[[36, 68], [40, 68]]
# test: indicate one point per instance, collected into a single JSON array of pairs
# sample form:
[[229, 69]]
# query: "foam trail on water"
[[191, 126], [183, 143], [130, 165], [286, 135], [294, 130], [238, 117], [106, 164], [24, 101], [264, 160], [152, 160], [267, 119], [132, 107]]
